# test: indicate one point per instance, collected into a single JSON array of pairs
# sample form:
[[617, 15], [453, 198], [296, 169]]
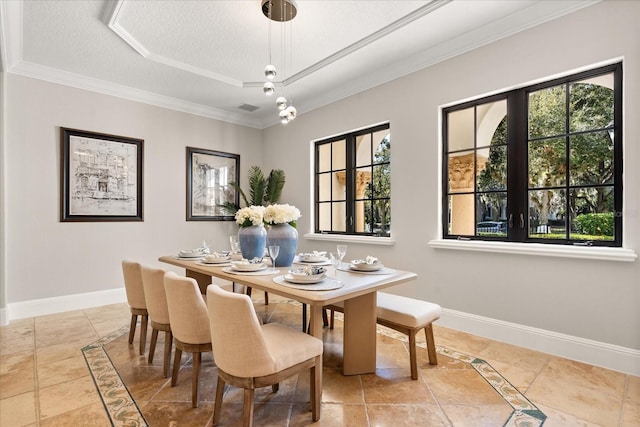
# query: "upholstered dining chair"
[[189, 321], [250, 355], [153, 282], [132, 272]]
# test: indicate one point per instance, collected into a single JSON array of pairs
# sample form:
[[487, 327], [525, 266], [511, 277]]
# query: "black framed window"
[[540, 164], [353, 183]]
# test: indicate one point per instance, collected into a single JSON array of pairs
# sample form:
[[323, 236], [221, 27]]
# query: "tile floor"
[[45, 381]]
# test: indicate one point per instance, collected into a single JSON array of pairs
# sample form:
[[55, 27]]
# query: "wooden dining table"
[[358, 291]]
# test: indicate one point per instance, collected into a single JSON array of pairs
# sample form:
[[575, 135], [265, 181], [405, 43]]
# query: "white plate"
[[248, 267], [366, 267], [301, 281], [217, 261], [190, 255]]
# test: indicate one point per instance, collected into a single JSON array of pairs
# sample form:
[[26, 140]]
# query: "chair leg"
[[315, 387], [217, 407], [176, 367], [132, 327], [168, 343], [195, 390], [304, 317], [412, 354], [247, 408], [152, 344], [143, 332], [431, 344]]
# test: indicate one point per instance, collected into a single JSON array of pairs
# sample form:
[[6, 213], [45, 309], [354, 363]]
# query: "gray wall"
[[597, 300], [48, 258]]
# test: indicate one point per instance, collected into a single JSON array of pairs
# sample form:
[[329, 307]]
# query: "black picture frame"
[[101, 177], [209, 177]]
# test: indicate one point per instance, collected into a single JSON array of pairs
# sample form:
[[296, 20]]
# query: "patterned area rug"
[[123, 410]]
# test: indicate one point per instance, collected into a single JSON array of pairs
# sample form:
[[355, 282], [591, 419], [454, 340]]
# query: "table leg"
[[359, 352], [203, 280], [315, 321]]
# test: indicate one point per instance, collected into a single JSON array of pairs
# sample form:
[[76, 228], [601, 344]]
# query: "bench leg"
[[412, 354], [431, 344]]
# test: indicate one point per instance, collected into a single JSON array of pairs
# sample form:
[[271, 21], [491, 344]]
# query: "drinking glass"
[[233, 240], [273, 254], [335, 261], [342, 251]]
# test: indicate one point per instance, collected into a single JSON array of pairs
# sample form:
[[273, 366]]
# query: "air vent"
[[248, 107]]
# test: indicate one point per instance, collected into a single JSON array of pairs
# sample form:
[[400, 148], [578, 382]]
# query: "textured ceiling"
[[208, 57]]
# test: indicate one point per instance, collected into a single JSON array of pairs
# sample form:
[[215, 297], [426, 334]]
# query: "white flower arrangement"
[[251, 215], [281, 214]]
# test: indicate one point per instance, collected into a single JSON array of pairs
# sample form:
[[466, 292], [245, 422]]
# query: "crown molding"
[[10, 34], [54, 75]]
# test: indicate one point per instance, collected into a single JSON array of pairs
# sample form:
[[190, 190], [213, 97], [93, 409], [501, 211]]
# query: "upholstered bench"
[[408, 316]]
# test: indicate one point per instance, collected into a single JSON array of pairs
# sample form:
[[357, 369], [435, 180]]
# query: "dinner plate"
[[302, 281], [218, 261], [192, 257], [366, 267], [248, 268]]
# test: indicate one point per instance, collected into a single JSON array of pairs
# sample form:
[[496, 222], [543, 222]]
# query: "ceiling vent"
[[248, 107]]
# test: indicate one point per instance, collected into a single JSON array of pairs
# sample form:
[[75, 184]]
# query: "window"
[[540, 164], [353, 183]]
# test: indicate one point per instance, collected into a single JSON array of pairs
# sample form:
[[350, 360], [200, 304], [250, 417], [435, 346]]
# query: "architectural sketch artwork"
[[102, 177], [210, 186]]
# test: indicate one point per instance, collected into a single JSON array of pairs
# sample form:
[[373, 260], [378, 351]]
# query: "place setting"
[[368, 265], [312, 258], [192, 254], [250, 267], [310, 277], [216, 259]]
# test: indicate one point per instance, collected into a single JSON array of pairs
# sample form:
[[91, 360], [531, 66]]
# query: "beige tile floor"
[[44, 381]]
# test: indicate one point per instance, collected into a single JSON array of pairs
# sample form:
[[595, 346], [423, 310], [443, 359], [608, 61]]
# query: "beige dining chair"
[[189, 324], [250, 355], [153, 281], [132, 272]]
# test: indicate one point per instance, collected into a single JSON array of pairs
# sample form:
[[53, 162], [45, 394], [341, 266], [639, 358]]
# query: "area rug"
[[123, 410]]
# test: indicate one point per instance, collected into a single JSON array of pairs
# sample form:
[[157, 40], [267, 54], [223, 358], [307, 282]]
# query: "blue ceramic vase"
[[285, 236], [252, 241]]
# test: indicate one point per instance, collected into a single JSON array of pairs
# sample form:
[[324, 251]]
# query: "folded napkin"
[[368, 260], [314, 253]]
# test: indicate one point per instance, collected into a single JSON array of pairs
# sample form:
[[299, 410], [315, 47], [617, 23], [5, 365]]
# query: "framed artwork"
[[101, 177], [210, 175]]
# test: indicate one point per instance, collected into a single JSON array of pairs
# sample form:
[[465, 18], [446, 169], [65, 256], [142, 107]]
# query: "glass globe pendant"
[[281, 102], [268, 88], [284, 117], [291, 112], [270, 72]]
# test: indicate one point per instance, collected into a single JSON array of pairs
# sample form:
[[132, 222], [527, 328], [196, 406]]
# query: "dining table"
[[357, 290]]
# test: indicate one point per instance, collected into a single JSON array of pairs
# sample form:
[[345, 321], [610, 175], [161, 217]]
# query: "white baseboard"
[[41, 307], [610, 356], [597, 353]]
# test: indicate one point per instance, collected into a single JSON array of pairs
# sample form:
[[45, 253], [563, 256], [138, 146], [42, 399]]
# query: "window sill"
[[592, 252], [350, 239]]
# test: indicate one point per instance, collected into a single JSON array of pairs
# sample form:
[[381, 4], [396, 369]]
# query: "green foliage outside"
[[589, 163], [598, 224]]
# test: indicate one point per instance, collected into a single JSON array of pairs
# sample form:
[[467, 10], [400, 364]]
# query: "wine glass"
[[335, 261], [273, 254], [342, 251]]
